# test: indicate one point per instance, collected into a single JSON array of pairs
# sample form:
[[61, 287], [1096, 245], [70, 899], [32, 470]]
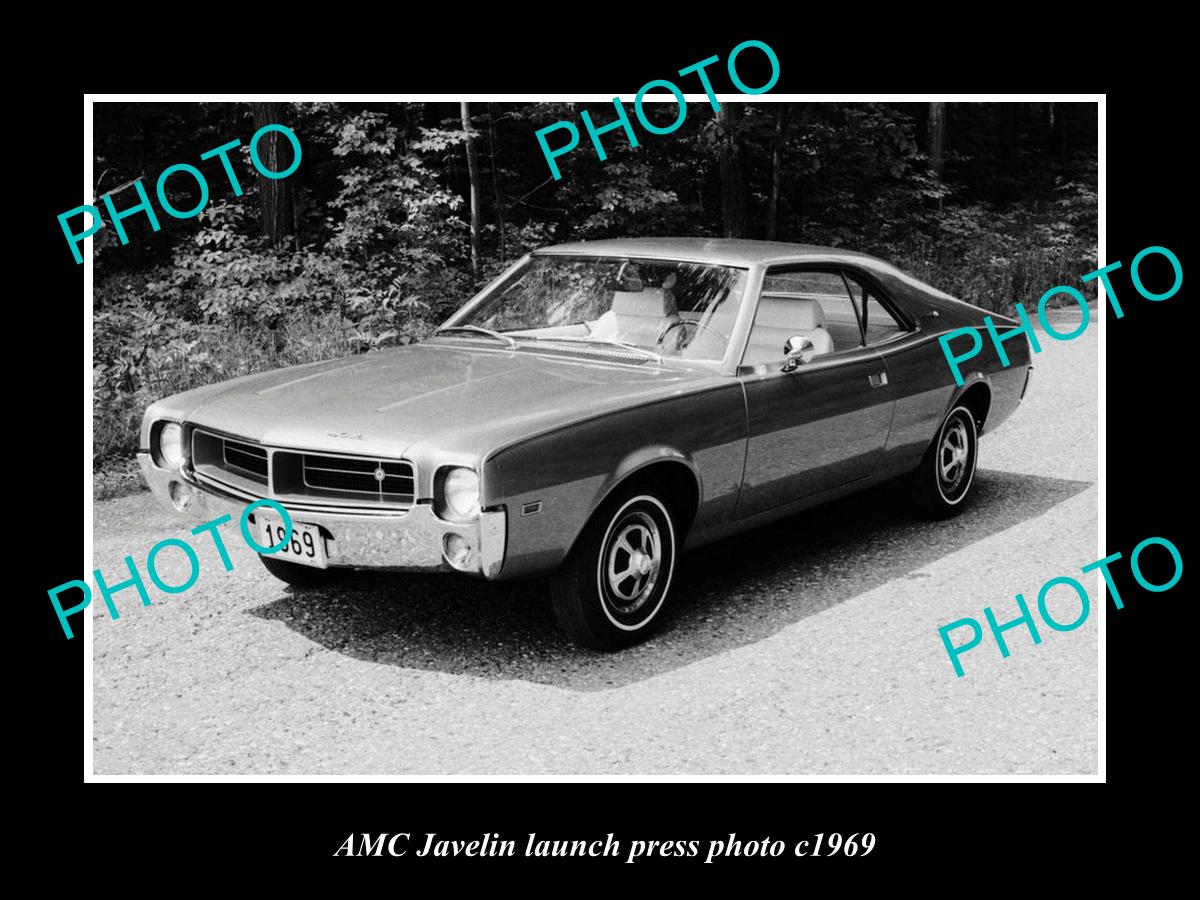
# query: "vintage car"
[[594, 411]]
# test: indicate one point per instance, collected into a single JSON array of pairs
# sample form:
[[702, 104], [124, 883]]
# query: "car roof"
[[724, 251]]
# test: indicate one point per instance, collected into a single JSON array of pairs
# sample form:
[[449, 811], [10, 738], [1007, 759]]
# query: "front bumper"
[[410, 541]]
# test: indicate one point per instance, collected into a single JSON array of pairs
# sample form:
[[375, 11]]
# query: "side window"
[[878, 324], [826, 294]]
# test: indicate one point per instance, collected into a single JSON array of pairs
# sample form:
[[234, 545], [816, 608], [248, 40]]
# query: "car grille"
[[359, 476], [246, 458], [343, 481]]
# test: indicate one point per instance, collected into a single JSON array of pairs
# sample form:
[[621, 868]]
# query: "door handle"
[[877, 379]]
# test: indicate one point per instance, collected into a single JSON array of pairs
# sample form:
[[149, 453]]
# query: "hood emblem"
[[345, 435], [380, 474]]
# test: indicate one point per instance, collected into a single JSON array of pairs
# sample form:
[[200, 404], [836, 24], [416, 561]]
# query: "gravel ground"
[[810, 647]]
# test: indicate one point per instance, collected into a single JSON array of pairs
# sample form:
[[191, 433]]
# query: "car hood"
[[444, 395]]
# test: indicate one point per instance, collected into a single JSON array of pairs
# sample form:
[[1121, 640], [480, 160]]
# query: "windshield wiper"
[[572, 339], [476, 329]]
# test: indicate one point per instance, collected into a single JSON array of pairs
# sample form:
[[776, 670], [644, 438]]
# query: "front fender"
[[641, 459], [551, 484]]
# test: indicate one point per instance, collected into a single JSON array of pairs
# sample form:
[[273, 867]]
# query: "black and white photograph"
[[741, 436]]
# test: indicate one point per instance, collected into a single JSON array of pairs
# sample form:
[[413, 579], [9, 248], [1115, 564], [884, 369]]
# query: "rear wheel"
[[610, 590], [943, 482], [301, 576]]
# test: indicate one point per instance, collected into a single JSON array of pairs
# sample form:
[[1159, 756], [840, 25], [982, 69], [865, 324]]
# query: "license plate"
[[305, 544]]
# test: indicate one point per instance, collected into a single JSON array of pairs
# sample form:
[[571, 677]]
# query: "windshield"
[[671, 309]]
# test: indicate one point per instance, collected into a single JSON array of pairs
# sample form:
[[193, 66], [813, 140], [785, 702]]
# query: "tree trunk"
[[937, 142], [496, 182], [937, 138], [473, 175], [781, 118], [276, 196], [733, 175]]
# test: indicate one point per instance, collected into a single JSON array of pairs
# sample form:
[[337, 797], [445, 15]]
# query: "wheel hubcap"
[[953, 455], [632, 561]]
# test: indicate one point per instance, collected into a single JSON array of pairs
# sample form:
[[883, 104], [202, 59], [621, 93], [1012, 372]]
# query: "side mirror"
[[797, 349]]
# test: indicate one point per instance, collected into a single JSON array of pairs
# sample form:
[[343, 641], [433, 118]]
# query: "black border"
[[926, 836]]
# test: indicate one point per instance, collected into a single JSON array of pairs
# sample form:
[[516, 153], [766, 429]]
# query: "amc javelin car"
[[591, 413]]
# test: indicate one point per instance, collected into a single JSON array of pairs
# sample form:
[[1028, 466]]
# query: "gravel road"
[[810, 647]]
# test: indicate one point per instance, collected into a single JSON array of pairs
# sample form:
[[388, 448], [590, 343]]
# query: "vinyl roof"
[[727, 251]]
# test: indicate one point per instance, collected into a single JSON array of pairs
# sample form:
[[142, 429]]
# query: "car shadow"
[[732, 593]]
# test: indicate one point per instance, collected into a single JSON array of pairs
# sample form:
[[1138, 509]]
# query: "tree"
[[781, 120], [937, 142], [473, 176], [937, 138], [496, 182], [733, 174], [277, 197]]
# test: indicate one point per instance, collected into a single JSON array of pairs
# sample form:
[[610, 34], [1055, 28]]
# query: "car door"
[[824, 424], [916, 369]]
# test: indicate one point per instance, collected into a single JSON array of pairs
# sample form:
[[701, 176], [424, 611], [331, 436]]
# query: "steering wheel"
[[685, 339]]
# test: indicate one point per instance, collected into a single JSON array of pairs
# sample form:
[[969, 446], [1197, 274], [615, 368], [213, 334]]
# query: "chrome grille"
[[297, 476], [381, 477], [246, 457]]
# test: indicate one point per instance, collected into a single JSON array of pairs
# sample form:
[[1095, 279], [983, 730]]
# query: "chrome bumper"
[[412, 540]]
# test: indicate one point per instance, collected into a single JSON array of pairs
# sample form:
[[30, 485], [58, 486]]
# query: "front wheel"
[[943, 482], [617, 578]]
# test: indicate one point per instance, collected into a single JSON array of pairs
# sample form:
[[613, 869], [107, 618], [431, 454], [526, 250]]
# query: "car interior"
[[637, 317], [782, 316], [821, 306], [650, 315], [642, 317]]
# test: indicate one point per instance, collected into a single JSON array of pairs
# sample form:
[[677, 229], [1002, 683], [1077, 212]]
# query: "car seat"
[[642, 316], [779, 318]]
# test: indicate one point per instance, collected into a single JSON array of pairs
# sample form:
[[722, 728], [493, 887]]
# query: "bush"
[[997, 258], [228, 304], [141, 357]]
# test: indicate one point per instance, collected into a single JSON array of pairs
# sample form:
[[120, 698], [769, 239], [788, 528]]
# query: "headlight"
[[170, 444], [461, 492]]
